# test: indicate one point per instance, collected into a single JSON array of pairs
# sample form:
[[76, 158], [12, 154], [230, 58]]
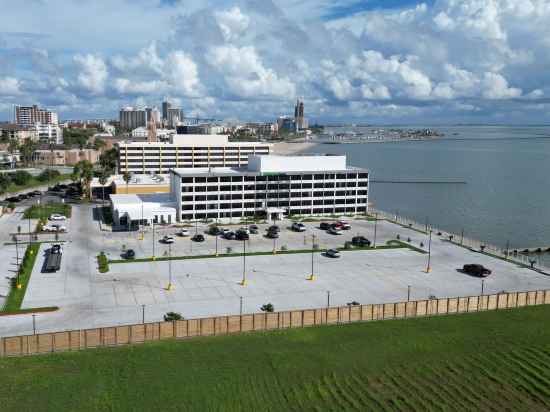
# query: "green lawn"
[[34, 182], [45, 210], [16, 296], [484, 361]]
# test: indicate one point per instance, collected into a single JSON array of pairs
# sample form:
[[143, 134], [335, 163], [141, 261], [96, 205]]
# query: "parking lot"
[[211, 286]]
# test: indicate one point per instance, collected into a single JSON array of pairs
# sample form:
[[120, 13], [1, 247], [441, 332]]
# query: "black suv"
[[360, 241], [214, 231], [476, 270], [198, 238], [324, 226], [241, 235]]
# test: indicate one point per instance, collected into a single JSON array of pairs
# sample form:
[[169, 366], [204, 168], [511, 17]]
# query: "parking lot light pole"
[[244, 281], [312, 276], [429, 268], [217, 236], [482, 286], [34, 324], [142, 313], [153, 257], [409, 293], [240, 305], [274, 245], [375, 224], [170, 285], [328, 298]]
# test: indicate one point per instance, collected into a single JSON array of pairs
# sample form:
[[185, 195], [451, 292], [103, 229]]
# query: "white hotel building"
[[270, 187], [186, 151]]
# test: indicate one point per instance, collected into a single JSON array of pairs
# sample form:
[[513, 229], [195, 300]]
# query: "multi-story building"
[[162, 134], [62, 157], [300, 121], [49, 133], [174, 117], [205, 128], [165, 107], [271, 187], [186, 151], [20, 134], [131, 118], [30, 115]]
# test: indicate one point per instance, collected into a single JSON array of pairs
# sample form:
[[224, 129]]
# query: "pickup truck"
[[53, 258]]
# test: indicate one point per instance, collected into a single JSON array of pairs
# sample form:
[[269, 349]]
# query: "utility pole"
[[375, 224], [409, 293], [312, 276], [240, 305], [142, 313], [243, 281], [328, 298], [153, 258], [170, 285], [429, 268], [482, 286], [34, 324]]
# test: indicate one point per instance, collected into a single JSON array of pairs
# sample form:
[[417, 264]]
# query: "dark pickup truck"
[[53, 258]]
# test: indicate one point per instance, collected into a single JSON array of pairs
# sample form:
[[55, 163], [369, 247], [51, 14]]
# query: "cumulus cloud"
[[9, 86], [495, 86], [246, 75], [93, 72], [232, 22]]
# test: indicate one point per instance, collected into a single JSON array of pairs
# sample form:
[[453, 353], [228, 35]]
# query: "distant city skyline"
[[377, 62]]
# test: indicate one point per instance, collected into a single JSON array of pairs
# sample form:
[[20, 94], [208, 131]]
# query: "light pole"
[[375, 224], [429, 268], [240, 305], [142, 313], [328, 298], [409, 293], [170, 286], [274, 245], [34, 324], [482, 286], [17, 282], [243, 281], [312, 276], [153, 257], [217, 236], [507, 249], [462, 237]]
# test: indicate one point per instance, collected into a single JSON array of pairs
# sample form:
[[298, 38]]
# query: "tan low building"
[[60, 157], [137, 185]]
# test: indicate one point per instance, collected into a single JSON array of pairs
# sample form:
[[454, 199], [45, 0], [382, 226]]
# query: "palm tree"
[[126, 176], [102, 182]]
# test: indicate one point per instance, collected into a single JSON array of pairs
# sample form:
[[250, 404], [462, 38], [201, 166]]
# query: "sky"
[[362, 61]]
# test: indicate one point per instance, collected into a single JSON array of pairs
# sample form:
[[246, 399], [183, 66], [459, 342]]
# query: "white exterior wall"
[[273, 164], [200, 139]]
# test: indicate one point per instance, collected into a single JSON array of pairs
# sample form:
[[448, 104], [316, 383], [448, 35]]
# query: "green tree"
[[99, 144], [126, 176], [102, 181], [21, 177], [84, 170], [27, 150], [108, 160]]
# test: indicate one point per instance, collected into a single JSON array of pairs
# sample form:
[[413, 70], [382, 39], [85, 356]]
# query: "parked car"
[[245, 230], [332, 253], [360, 241], [30, 194], [334, 231], [476, 270], [272, 235], [229, 235], [241, 235], [298, 227], [342, 224], [324, 226], [56, 228], [225, 231], [274, 228], [22, 196], [184, 233], [129, 254], [168, 239], [198, 238], [37, 192], [57, 216], [253, 229], [214, 231], [13, 199]]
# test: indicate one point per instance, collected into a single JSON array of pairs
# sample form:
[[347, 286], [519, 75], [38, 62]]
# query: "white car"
[[57, 217], [298, 227], [244, 230], [184, 232], [54, 228], [168, 239], [334, 231]]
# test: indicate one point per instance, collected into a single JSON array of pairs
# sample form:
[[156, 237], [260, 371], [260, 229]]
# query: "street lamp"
[[409, 293], [375, 224], [240, 305], [170, 285], [312, 276], [243, 281], [153, 257], [142, 313], [328, 298], [482, 286], [217, 236], [429, 268], [34, 324]]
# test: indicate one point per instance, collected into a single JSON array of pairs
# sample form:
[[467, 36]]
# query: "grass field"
[[16, 296], [483, 361], [45, 210]]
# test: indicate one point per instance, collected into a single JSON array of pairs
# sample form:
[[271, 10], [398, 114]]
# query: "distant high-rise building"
[[153, 114], [30, 115], [131, 118], [175, 116], [299, 120], [165, 107]]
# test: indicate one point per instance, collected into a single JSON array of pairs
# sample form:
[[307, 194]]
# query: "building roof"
[[146, 205]]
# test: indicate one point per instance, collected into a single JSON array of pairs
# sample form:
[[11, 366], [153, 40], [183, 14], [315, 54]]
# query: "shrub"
[[229, 250], [268, 307], [284, 247], [47, 175], [21, 177], [172, 316], [103, 263]]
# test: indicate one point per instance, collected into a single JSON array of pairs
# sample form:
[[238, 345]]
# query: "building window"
[[212, 197], [187, 180]]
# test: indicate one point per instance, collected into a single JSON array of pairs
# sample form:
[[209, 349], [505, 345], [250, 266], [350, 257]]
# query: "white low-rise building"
[[134, 209]]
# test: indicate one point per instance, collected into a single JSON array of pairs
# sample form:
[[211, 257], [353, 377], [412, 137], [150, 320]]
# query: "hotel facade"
[[186, 151], [271, 187]]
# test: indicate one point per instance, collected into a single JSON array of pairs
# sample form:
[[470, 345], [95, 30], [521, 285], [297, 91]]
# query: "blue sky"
[[375, 61]]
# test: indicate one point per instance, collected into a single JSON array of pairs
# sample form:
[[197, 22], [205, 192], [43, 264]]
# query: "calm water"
[[507, 170]]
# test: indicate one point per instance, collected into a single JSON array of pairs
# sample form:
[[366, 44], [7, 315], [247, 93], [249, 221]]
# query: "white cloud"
[[232, 23], [246, 75], [495, 86], [93, 72], [182, 73], [9, 86], [126, 86]]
